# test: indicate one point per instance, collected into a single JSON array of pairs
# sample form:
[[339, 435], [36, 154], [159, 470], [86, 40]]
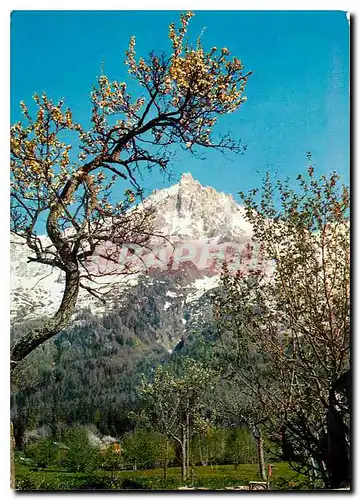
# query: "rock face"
[[36, 289], [198, 220], [190, 210]]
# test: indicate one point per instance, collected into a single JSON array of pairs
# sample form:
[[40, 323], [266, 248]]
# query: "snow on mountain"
[[35, 289], [186, 211], [201, 286], [190, 210]]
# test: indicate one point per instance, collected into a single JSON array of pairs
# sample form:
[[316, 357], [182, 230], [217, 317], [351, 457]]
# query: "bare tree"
[[68, 188], [289, 330]]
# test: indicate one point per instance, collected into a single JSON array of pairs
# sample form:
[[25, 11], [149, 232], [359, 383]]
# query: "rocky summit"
[[203, 228]]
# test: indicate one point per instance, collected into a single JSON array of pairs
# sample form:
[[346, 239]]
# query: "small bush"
[[43, 453]]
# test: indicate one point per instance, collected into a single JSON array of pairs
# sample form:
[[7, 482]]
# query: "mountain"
[[199, 224], [190, 210], [90, 372]]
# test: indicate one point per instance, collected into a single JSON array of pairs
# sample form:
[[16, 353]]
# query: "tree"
[[293, 321], [80, 455], [69, 187], [164, 452], [144, 448], [44, 452], [209, 448], [240, 447], [112, 458], [175, 403], [239, 410], [139, 449]]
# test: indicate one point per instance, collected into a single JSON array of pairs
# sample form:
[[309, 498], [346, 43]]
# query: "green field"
[[211, 477]]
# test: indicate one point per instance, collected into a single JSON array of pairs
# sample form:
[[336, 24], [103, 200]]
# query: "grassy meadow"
[[211, 477]]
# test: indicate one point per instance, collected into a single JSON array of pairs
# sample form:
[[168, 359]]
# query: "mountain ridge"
[[186, 212]]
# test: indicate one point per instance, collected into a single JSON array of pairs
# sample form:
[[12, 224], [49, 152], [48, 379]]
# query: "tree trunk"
[[187, 442], [337, 454], [183, 455], [183, 463], [166, 460], [58, 322], [260, 447], [12, 460]]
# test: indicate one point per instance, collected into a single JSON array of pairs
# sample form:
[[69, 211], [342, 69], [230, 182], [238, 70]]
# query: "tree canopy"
[[286, 332]]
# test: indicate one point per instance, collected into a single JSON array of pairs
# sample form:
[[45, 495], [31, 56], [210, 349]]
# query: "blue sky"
[[298, 95]]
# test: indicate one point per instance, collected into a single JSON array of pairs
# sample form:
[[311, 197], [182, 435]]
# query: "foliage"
[[80, 455], [164, 452], [112, 458], [241, 447], [138, 449], [175, 402], [286, 331], [209, 447], [146, 449], [43, 453]]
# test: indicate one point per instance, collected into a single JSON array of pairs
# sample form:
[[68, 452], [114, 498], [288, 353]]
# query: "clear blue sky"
[[298, 95]]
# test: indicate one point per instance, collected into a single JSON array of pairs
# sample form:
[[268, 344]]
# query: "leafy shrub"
[[80, 456], [64, 482], [26, 482], [131, 484], [111, 459], [241, 447], [144, 449], [43, 453]]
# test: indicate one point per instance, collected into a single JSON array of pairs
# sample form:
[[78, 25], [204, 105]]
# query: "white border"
[[182, 5], [6, 8]]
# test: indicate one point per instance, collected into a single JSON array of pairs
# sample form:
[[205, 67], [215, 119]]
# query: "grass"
[[228, 475], [216, 477]]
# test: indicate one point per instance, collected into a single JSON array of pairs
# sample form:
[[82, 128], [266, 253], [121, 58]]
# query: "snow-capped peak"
[[185, 212], [190, 210]]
